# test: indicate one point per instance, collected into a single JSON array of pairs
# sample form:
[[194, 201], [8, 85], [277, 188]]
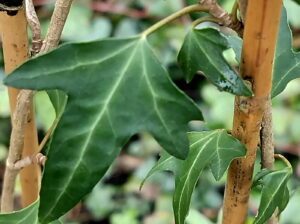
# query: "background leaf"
[[275, 194], [202, 51], [116, 88], [287, 62]]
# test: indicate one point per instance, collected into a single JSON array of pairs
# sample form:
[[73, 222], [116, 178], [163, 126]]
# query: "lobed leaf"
[[275, 194], [115, 88], [202, 50], [214, 149]]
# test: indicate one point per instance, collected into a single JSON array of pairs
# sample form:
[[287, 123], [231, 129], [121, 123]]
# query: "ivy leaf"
[[275, 194], [115, 88], [235, 43], [58, 100], [165, 163], [297, 1], [202, 50], [259, 176], [24, 216], [287, 61], [214, 149]]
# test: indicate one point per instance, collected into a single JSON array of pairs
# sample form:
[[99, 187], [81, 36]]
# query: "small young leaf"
[[202, 51], [275, 194], [24, 216], [115, 88], [259, 176], [166, 162], [287, 62], [235, 43], [215, 149]]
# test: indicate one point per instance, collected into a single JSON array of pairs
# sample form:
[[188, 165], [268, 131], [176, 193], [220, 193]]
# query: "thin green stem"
[[283, 159], [176, 15], [234, 12], [207, 19]]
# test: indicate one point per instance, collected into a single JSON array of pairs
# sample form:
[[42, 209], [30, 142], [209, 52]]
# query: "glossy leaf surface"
[[275, 194], [165, 163], [115, 88], [24, 216], [202, 50], [287, 61], [214, 149]]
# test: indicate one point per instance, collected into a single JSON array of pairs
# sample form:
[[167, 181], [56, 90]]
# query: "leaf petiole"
[[207, 19], [176, 15], [283, 159]]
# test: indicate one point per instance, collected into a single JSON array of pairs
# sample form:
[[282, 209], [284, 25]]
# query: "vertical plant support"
[[260, 36], [15, 50]]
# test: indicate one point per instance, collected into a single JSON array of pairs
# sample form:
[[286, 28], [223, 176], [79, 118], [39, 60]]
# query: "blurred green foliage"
[[117, 199]]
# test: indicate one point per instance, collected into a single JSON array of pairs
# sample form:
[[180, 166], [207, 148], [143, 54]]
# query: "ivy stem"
[[267, 138], [176, 15], [283, 159]]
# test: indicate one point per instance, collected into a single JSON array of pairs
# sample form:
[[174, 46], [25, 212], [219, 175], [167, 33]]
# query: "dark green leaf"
[[275, 194], [297, 1], [202, 51], [287, 62], [115, 88], [28, 215]]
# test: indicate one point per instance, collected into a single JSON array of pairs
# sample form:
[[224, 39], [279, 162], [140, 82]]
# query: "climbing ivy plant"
[[106, 91]]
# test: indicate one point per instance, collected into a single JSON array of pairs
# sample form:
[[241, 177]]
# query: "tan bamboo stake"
[[260, 36], [15, 51]]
